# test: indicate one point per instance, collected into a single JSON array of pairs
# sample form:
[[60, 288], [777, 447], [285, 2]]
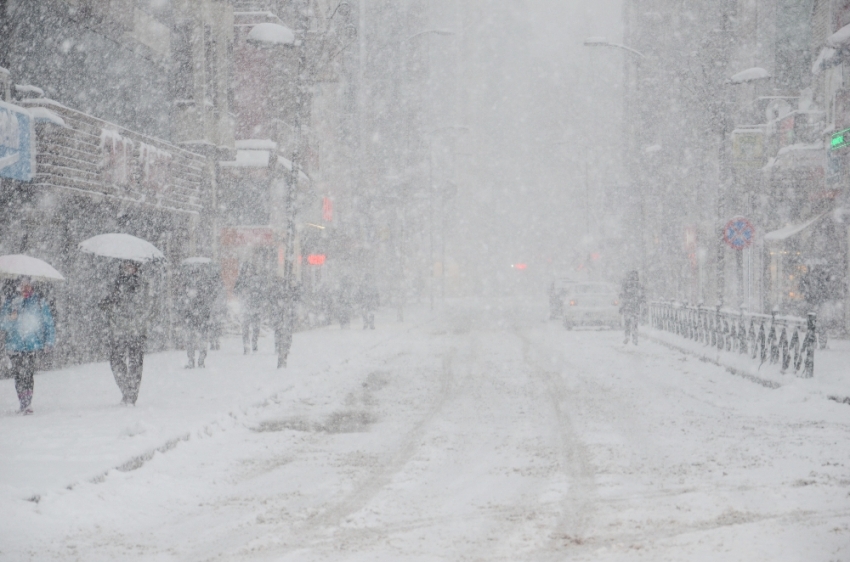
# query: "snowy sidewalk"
[[832, 366], [79, 432]]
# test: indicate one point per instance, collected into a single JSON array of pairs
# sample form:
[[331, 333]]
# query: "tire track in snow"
[[577, 505]]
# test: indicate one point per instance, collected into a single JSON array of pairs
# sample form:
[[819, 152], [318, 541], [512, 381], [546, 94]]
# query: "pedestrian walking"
[[251, 290], [369, 300], [195, 307], [29, 326], [631, 299], [344, 304], [128, 309]]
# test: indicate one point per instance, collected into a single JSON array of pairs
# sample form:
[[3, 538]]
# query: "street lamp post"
[[637, 56]]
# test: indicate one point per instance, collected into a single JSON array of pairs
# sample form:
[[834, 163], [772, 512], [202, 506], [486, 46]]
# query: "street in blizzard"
[[424, 280]]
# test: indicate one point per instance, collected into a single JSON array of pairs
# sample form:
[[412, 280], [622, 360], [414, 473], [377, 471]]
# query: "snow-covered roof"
[[791, 230], [248, 159], [839, 38], [44, 114], [750, 75], [256, 144], [271, 34]]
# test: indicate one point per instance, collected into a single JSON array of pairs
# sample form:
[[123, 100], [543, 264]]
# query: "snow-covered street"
[[480, 433]]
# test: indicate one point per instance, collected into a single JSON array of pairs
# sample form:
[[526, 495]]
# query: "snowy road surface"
[[484, 434]]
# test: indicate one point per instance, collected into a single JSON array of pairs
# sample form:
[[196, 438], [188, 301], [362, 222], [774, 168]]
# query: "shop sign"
[[17, 143], [748, 149], [785, 130]]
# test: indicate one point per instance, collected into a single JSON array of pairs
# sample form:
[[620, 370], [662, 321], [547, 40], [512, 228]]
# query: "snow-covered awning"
[[797, 157], [750, 75], [288, 165], [271, 34], [826, 58], [256, 144], [42, 114], [792, 230], [840, 38], [248, 159]]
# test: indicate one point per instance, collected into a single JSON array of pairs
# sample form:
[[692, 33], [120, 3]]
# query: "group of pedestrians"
[[28, 323], [27, 319]]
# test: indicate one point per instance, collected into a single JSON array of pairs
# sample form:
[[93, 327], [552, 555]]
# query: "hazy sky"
[[541, 109]]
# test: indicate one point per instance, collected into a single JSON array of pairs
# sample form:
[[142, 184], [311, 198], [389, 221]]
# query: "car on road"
[[591, 305]]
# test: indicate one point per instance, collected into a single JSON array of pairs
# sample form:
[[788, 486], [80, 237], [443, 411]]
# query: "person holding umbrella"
[[28, 323], [128, 308]]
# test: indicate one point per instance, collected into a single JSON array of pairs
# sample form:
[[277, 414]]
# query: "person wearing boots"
[[251, 291], [128, 309], [28, 323], [632, 298], [195, 311]]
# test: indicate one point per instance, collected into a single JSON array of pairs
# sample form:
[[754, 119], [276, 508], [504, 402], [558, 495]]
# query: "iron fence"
[[788, 341]]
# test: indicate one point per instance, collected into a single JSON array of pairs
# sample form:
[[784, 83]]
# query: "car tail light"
[[572, 303]]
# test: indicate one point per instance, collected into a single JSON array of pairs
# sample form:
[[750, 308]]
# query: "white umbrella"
[[19, 265], [122, 247]]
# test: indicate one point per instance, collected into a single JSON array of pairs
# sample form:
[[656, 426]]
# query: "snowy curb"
[[704, 357]]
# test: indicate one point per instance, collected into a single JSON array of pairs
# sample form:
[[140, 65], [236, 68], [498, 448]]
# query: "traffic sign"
[[739, 233]]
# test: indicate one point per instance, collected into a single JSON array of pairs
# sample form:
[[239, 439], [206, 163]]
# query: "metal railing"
[[788, 341]]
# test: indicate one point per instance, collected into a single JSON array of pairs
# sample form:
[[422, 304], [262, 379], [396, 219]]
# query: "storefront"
[[92, 177]]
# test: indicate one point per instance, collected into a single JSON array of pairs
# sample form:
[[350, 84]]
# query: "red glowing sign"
[[520, 266], [327, 209], [316, 259]]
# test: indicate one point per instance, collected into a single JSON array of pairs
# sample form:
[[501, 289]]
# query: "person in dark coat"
[[631, 299], [344, 304], [195, 306], [369, 300], [28, 323], [283, 303], [128, 309], [251, 290]]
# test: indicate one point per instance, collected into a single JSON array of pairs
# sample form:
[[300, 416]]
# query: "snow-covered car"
[[591, 304]]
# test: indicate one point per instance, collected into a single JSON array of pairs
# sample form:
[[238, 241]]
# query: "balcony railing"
[[788, 341]]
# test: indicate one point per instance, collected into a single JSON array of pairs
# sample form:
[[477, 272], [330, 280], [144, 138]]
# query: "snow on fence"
[[95, 157], [788, 341]]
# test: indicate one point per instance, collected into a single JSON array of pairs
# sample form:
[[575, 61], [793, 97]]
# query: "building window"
[[183, 63], [210, 67]]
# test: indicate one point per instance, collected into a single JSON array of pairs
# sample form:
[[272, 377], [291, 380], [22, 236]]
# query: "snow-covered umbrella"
[[122, 247], [19, 265]]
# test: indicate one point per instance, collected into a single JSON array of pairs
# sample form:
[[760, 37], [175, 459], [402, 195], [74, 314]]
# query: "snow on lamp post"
[[634, 130], [272, 35]]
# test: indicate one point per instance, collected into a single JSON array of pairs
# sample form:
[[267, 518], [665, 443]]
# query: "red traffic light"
[[520, 266]]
